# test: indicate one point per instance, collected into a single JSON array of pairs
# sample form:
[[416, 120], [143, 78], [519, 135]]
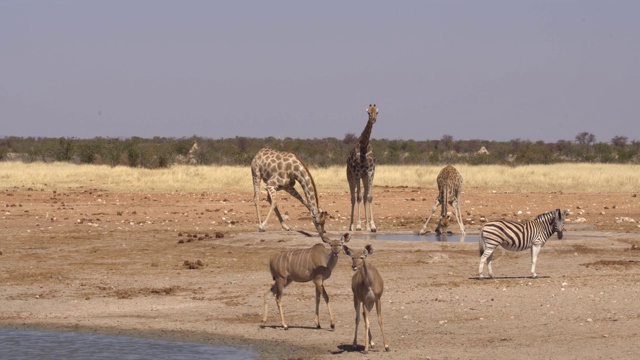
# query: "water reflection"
[[450, 237]]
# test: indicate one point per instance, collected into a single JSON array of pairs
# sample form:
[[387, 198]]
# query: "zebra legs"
[[535, 249], [486, 257]]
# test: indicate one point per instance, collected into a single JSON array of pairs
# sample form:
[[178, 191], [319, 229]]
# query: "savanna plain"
[[175, 254]]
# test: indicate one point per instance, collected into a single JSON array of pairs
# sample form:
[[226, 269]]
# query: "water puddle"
[[28, 344], [414, 237]]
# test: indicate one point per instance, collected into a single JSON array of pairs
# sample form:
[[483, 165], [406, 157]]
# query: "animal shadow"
[[305, 233], [348, 348], [291, 327], [508, 277]]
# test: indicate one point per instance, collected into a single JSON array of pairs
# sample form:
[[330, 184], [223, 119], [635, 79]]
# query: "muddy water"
[[27, 344]]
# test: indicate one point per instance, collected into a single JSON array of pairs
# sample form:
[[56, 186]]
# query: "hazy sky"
[[483, 69]]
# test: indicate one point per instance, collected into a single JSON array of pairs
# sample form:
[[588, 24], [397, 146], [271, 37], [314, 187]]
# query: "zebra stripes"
[[514, 236]]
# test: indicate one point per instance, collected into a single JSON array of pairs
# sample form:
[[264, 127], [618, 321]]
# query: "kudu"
[[302, 265], [367, 287]]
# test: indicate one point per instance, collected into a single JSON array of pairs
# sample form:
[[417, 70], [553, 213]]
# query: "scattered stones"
[[192, 265]]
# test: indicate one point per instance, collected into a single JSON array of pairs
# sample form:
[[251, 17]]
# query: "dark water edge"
[[260, 348], [39, 344]]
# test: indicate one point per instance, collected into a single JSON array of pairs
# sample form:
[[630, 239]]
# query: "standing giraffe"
[[449, 189], [280, 171], [361, 165]]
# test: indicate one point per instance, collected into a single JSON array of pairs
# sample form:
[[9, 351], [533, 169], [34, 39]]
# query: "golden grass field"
[[589, 178]]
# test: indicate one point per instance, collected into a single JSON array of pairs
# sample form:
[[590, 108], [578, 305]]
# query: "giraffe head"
[[319, 221], [372, 110]]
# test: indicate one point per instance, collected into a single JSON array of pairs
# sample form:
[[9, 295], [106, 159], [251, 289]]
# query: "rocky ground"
[[193, 267]]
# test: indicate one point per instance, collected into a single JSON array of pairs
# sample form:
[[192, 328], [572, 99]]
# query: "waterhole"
[[28, 344]]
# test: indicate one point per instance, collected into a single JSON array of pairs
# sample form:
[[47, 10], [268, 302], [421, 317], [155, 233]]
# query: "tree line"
[[162, 152]]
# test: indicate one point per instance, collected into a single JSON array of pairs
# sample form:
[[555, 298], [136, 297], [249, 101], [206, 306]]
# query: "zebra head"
[[558, 222]]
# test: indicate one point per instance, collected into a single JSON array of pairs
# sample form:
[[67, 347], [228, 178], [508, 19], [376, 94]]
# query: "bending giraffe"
[[361, 165], [280, 171], [449, 189]]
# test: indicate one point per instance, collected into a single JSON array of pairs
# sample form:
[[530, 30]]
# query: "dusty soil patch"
[[91, 260]]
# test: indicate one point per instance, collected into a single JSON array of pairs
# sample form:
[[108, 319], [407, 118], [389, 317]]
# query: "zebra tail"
[[481, 245]]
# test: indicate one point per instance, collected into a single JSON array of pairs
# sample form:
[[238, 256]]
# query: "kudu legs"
[[277, 290], [366, 311]]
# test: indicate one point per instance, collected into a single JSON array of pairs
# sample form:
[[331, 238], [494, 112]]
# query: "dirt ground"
[[192, 267]]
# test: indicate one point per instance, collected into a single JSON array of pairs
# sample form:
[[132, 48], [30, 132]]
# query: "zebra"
[[516, 236]]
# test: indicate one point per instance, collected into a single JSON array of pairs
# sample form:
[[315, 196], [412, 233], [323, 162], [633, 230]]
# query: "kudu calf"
[[314, 263], [367, 287]]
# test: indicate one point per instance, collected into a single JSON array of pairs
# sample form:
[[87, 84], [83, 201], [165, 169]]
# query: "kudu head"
[[336, 244], [558, 222], [357, 259]]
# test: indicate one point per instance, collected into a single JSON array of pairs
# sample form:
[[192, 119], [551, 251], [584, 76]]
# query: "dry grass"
[[559, 177]]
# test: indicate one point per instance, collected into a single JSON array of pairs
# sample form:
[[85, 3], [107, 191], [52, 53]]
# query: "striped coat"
[[515, 236]]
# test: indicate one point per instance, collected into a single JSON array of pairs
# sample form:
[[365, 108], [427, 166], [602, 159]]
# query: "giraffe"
[[361, 165], [449, 188], [280, 171]]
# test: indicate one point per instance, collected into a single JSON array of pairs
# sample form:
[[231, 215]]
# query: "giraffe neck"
[[363, 141], [312, 196], [309, 188]]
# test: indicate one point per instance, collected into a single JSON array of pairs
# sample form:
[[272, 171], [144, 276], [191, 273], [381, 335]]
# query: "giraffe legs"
[[354, 189], [256, 198], [271, 197], [456, 209], [433, 210], [367, 182]]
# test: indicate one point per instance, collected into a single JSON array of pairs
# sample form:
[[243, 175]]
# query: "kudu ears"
[[368, 250], [345, 238], [346, 250]]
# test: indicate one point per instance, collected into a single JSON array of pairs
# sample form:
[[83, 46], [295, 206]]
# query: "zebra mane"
[[548, 215], [551, 215]]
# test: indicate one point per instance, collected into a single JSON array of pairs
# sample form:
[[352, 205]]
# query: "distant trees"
[[161, 152], [585, 138]]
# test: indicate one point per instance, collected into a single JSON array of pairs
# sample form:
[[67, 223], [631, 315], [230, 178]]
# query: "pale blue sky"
[[491, 70]]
